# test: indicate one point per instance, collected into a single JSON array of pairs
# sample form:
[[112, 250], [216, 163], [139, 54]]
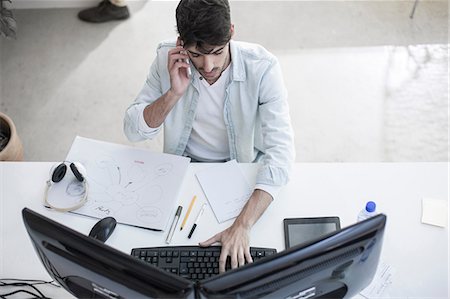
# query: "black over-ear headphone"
[[57, 173]]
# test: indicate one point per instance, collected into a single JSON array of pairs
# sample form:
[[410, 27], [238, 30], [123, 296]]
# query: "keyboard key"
[[152, 253], [183, 268]]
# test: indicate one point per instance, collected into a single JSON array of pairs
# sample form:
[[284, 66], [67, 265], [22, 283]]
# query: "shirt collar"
[[237, 63]]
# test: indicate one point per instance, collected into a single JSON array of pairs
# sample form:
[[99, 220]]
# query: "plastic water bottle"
[[368, 211]]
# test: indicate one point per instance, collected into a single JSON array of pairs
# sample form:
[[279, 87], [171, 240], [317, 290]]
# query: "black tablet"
[[299, 230]]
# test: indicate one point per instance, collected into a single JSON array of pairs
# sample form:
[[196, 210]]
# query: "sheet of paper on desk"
[[134, 185], [435, 211], [226, 189], [381, 281]]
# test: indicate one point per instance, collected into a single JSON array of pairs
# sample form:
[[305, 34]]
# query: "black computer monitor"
[[337, 265]]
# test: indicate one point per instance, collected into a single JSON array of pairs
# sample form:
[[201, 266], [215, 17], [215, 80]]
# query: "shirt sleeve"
[[135, 127], [277, 132], [271, 189]]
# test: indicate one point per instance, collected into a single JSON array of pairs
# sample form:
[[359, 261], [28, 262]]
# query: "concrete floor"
[[366, 82]]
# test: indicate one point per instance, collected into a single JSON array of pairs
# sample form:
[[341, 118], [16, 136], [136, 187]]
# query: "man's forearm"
[[235, 239], [156, 112], [257, 204]]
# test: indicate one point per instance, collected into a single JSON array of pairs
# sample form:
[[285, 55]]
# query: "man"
[[107, 10], [218, 100]]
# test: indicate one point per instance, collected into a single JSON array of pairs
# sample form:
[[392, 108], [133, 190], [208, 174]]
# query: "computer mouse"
[[103, 229]]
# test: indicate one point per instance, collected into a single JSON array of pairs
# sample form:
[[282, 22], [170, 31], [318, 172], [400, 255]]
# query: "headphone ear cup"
[[58, 172], [78, 171]]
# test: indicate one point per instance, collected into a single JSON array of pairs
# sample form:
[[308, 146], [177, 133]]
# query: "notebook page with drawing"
[[134, 185], [226, 189]]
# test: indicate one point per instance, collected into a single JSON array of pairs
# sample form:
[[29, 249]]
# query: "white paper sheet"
[[136, 186], [381, 281], [435, 212], [226, 189]]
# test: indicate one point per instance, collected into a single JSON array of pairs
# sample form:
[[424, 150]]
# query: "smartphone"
[[189, 72], [301, 230]]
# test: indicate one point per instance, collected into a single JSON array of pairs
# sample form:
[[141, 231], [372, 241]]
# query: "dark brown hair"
[[205, 23]]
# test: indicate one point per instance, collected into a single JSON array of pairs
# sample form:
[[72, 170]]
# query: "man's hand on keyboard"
[[235, 239], [235, 244]]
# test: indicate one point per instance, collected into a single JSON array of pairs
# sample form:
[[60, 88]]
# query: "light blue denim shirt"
[[256, 111]]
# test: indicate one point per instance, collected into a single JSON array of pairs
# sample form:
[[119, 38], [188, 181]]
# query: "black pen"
[[196, 220], [174, 224]]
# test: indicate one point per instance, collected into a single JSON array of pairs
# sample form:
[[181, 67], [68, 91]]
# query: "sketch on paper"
[[135, 186]]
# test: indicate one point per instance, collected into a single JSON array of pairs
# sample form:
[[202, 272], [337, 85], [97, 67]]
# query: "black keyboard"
[[192, 262]]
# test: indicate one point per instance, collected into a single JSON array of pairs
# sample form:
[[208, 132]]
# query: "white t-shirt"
[[209, 139]]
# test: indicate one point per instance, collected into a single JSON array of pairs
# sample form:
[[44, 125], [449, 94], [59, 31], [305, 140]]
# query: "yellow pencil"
[[188, 212]]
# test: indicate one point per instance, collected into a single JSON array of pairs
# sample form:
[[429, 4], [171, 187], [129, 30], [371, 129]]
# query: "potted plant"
[[10, 145], [8, 26]]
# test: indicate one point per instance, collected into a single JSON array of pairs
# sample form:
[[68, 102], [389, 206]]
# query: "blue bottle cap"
[[370, 206]]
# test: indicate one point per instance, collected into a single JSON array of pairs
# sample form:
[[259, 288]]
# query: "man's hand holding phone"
[[179, 69]]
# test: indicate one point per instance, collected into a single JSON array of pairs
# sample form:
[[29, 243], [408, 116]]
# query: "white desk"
[[418, 252]]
